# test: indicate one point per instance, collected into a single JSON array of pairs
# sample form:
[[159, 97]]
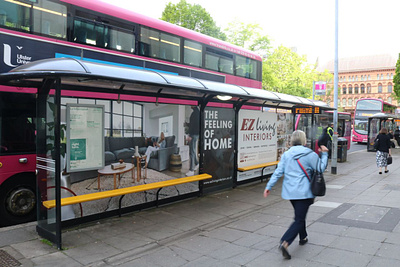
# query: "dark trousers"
[[298, 227]]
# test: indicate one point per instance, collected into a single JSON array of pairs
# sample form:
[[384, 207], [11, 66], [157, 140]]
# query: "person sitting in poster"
[[160, 143]]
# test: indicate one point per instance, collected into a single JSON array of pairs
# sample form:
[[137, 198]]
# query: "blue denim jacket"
[[295, 183]]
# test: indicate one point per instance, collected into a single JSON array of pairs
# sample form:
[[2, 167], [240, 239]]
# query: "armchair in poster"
[[263, 137], [219, 136]]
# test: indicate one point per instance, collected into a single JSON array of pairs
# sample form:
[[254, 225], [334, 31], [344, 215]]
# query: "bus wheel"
[[18, 201]]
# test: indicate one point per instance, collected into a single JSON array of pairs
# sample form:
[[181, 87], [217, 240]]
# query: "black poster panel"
[[219, 139]]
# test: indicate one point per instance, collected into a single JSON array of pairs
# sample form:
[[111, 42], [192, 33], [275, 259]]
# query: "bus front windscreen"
[[360, 126], [369, 104]]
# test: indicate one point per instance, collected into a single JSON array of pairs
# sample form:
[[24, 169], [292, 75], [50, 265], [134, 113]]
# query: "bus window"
[[192, 53], [122, 41], [246, 67], [159, 45], [170, 47], [15, 15], [219, 61], [88, 32], [50, 18], [17, 123]]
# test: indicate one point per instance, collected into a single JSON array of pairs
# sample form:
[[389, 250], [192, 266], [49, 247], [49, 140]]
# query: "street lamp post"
[[335, 86]]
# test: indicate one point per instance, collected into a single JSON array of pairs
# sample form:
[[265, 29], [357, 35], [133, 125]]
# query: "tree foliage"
[[396, 80], [286, 72], [248, 36], [193, 17]]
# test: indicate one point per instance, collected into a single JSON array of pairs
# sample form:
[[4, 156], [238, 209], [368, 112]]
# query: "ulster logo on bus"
[[19, 59]]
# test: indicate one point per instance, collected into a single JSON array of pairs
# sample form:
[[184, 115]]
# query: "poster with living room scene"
[[143, 143]]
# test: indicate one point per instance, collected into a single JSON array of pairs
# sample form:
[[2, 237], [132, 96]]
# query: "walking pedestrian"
[[383, 149], [296, 186]]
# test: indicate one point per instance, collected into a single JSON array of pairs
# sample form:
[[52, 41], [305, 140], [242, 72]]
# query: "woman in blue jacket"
[[296, 186]]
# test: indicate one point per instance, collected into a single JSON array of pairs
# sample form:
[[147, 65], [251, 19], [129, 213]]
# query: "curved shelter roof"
[[88, 76]]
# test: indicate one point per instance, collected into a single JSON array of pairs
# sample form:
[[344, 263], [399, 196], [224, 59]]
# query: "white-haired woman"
[[296, 186]]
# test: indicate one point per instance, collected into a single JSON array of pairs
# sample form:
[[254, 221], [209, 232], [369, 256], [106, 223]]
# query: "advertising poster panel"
[[85, 137], [257, 141], [219, 138]]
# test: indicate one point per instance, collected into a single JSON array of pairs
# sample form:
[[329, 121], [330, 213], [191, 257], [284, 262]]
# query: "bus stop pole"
[[336, 80]]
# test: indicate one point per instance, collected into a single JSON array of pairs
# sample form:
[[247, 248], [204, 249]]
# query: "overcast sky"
[[366, 27]]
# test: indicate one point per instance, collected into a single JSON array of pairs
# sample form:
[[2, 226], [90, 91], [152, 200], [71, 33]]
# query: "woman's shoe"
[[285, 252], [386, 171], [380, 172], [303, 241]]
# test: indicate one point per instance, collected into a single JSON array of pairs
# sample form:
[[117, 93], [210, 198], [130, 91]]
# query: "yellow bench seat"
[[258, 166], [123, 191]]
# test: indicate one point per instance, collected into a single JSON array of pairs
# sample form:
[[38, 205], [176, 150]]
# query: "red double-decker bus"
[[94, 31], [365, 108]]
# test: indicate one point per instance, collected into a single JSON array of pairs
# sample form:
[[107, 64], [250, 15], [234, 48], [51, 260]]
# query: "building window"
[[356, 77], [344, 89], [356, 89], [390, 88], [391, 76], [387, 76], [350, 89], [350, 102], [362, 89], [377, 76], [380, 88], [368, 88], [344, 102], [381, 76], [369, 77], [389, 100]]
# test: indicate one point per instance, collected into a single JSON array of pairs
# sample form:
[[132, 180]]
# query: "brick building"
[[363, 77]]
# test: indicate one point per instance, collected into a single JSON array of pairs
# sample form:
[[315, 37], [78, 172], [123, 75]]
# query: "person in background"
[[383, 150], [296, 186], [397, 135], [326, 138], [160, 143], [194, 130], [392, 140]]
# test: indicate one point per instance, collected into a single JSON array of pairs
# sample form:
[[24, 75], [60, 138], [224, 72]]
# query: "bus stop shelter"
[[55, 77], [376, 123]]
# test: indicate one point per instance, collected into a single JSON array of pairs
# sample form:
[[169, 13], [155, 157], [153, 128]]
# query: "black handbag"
[[389, 160], [317, 183]]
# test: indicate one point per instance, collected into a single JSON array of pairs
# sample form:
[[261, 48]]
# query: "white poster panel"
[[257, 141], [85, 137]]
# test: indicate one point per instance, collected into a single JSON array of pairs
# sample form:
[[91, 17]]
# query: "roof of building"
[[363, 63]]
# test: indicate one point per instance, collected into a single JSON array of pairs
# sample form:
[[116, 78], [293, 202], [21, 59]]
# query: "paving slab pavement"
[[357, 223]]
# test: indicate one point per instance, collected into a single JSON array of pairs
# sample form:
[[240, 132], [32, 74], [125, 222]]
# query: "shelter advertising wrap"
[[85, 137], [219, 137], [257, 141]]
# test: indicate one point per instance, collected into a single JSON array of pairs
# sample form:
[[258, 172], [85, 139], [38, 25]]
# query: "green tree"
[[396, 80], [193, 17], [248, 36], [285, 71]]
